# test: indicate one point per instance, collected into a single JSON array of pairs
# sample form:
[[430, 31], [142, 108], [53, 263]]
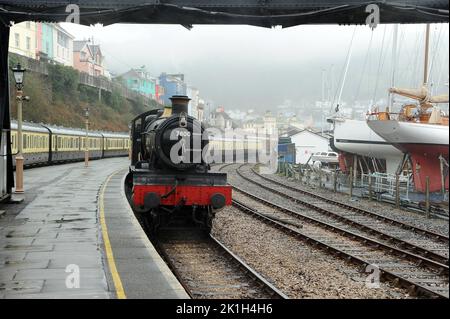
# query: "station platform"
[[75, 236]]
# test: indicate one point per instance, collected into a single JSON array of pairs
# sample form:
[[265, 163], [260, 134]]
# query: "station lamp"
[[19, 75]]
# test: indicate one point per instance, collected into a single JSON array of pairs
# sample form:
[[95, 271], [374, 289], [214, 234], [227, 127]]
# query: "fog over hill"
[[248, 67]]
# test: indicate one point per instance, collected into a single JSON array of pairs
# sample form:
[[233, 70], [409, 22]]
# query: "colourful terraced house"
[[139, 80]]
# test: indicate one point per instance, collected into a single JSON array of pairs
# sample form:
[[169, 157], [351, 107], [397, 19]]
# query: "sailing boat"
[[355, 137], [421, 131]]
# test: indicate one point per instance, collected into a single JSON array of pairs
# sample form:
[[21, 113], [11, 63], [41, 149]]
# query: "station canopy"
[[264, 13]]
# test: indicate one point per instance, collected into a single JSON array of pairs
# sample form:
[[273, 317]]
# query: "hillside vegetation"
[[58, 99]]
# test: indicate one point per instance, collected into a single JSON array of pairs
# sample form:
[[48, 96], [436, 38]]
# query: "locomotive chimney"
[[180, 104]]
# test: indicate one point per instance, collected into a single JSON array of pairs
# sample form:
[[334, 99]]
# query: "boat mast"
[[323, 101], [347, 63], [427, 52], [394, 66]]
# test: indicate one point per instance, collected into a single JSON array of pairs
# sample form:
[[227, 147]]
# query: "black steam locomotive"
[[169, 181]]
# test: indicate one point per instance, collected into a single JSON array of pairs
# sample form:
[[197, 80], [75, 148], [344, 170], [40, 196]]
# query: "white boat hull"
[[356, 137], [425, 143]]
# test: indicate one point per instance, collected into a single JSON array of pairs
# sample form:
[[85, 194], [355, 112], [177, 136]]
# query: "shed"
[[308, 142]]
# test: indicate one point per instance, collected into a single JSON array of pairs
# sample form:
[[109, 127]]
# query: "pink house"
[[88, 58]]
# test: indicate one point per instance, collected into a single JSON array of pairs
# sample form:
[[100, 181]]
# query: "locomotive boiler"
[[169, 182]]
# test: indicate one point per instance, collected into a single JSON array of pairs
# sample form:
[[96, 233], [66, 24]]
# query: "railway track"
[[415, 240], [208, 269], [430, 234], [420, 274]]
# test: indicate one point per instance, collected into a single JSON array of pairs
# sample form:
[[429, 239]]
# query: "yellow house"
[[23, 39]]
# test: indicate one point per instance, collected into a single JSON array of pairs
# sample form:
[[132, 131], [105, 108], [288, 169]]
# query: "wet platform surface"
[[53, 244]]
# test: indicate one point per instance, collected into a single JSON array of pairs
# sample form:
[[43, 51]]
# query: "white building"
[[253, 126], [194, 95], [270, 123], [308, 142], [23, 39], [62, 46], [220, 119]]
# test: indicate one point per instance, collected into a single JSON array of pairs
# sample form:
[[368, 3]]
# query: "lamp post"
[[86, 145], [19, 74]]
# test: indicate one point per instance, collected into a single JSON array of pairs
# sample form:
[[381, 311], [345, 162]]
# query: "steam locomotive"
[[170, 182]]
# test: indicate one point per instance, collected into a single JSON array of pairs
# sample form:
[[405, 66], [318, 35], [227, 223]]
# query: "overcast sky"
[[250, 67]]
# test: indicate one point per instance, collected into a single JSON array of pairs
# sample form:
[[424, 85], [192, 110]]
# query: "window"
[[28, 43], [63, 40], [47, 47], [28, 25], [17, 40]]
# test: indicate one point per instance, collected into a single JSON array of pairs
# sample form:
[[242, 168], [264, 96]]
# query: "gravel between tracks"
[[293, 266], [416, 219], [404, 234]]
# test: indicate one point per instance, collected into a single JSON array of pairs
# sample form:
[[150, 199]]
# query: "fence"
[[375, 185]]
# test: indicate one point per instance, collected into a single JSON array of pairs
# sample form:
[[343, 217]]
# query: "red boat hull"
[[425, 161]]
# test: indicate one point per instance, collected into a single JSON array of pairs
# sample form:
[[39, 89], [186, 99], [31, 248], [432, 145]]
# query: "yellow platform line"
[[109, 253]]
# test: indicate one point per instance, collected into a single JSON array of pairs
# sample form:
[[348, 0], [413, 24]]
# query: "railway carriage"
[[115, 144], [35, 143], [69, 144], [46, 144], [241, 149]]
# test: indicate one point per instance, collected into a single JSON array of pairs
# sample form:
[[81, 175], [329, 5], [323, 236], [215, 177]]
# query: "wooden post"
[[427, 196], [320, 178], [441, 162], [351, 181], [370, 186], [335, 180], [397, 190]]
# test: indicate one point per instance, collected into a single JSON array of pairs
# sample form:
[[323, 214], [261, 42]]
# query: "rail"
[[387, 275], [376, 186]]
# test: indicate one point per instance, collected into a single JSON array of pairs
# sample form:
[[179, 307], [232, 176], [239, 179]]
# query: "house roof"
[[78, 45], [131, 73], [223, 114], [95, 48], [61, 29], [293, 133]]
